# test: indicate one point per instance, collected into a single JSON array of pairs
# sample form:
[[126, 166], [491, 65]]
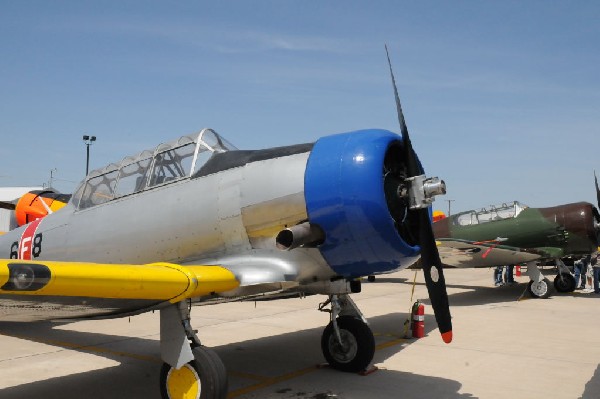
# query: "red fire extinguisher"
[[418, 320]]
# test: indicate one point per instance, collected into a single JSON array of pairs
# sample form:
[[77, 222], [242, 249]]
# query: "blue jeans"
[[596, 277], [498, 275], [579, 268]]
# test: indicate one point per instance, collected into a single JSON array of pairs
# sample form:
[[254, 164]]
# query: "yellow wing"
[[156, 281]]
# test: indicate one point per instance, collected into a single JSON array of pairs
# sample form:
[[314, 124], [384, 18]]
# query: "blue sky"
[[502, 98]]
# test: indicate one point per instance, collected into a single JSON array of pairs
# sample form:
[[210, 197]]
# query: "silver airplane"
[[197, 221]]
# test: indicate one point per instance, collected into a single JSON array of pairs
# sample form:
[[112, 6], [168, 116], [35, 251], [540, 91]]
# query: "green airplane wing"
[[465, 253]]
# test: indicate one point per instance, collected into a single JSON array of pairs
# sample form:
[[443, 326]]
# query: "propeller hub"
[[434, 186], [423, 190]]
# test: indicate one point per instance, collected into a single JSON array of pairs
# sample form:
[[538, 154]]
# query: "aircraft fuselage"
[[228, 212]]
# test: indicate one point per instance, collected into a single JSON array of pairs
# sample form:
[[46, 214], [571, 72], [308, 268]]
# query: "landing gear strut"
[[190, 370], [347, 341]]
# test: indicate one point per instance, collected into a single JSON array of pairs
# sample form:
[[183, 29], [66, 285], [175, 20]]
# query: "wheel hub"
[[345, 351], [183, 383], [539, 288]]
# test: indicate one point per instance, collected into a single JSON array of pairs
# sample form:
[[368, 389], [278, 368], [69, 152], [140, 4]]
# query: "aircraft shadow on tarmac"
[[475, 295], [593, 386], [512, 293], [279, 356], [481, 295]]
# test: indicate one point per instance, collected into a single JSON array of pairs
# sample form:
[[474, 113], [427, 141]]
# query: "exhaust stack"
[[302, 234]]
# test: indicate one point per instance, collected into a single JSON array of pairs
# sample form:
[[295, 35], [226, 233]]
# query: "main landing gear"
[[347, 341], [539, 286], [193, 371], [204, 377], [539, 289], [564, 280], [190, 370]]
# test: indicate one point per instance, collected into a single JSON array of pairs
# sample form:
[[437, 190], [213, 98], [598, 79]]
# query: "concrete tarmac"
[[503, 347]]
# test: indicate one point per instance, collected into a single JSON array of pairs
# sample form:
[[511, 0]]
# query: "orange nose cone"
[[438, 215], [447, 336]]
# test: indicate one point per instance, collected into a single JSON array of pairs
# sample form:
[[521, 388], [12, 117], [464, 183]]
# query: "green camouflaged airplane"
[[513, 233]]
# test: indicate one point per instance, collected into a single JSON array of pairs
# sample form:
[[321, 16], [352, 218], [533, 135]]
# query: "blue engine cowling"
[[345, 196]]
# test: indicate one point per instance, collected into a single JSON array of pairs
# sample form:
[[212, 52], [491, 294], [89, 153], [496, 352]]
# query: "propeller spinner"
[[430, 257], [35, 204]]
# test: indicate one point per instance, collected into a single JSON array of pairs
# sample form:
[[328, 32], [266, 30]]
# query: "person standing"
[[595, 261], [498, 276], [589, 276], [508, 275], [580, 269]]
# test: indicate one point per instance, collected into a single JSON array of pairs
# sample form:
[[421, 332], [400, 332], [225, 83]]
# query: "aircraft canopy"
[[168, 162], [491, 213]]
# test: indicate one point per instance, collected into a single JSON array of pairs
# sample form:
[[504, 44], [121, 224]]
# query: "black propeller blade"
[[7, 205], [596, 211], [597, 190], [430, 257]]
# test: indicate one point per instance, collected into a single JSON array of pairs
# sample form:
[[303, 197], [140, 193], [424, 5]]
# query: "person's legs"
[[577, 272], [508, 274], [498, 275], [584, 273]]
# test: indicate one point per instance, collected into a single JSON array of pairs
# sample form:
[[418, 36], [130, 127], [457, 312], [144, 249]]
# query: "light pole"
[[88, 140], [52, 171], [449, 202]]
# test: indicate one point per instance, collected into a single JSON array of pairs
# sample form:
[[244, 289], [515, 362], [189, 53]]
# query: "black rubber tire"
[[209, 368], [355, 333], [540, 290], [221, 380], [564, 282]]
